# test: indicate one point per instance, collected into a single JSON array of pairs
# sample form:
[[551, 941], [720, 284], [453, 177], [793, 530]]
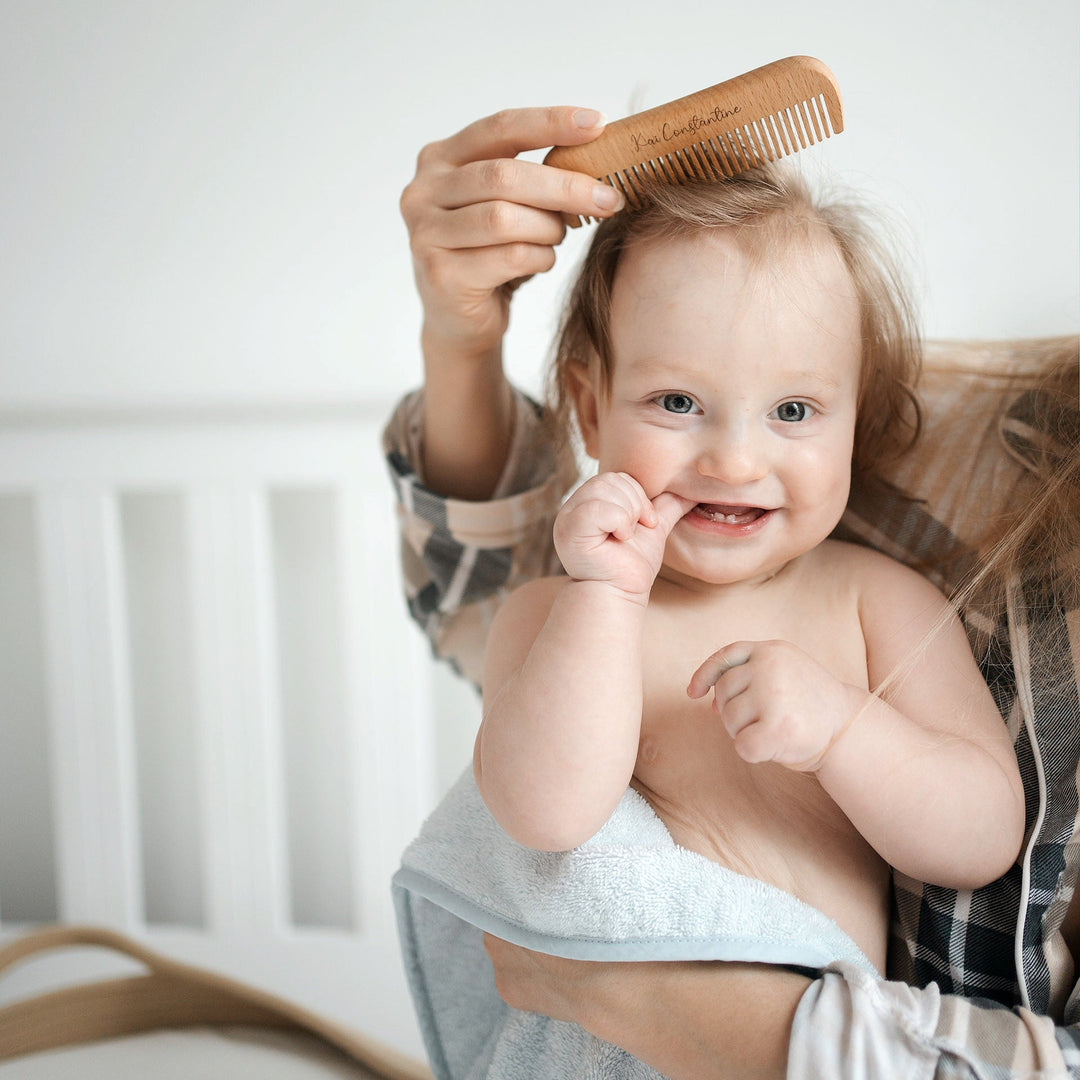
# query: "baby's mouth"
[[730, 515]]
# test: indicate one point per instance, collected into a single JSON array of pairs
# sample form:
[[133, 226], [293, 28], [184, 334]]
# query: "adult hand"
[[481, 222], [688, 1020]]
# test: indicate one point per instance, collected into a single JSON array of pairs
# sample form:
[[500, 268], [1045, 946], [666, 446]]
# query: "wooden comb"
[[767, 113]]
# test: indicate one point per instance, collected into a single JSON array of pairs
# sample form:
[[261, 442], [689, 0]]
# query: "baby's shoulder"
[[868, 568], [878, 579]]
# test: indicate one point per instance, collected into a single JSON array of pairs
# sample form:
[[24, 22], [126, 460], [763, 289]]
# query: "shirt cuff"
[[850, 1024]]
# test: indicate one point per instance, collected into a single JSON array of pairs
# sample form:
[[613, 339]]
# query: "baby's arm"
[[929, 774], [562, 680], [925, 769]]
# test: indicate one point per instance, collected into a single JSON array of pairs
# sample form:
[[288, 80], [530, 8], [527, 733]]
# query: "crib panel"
[[223, 632], [316, 777], [237, 711], [27, 872], [157, 579], [391, 705], [90, 730]]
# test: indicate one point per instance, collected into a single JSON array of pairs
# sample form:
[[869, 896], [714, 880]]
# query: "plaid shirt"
[[981, 983]]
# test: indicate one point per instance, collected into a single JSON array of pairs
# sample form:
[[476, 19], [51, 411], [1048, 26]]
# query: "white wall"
[[198, 200]]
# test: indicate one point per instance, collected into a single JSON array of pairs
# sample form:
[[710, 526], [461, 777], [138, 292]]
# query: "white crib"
[[216, 723]]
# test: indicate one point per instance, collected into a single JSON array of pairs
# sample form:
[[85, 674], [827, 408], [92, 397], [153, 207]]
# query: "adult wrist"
[[441, 349], [694, 1019]]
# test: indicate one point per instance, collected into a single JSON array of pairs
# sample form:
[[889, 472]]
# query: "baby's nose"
[[733, 457]]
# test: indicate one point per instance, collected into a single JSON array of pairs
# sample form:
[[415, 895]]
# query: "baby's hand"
[[609, 530], [777, 703]]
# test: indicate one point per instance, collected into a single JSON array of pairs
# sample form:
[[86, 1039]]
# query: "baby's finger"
[[715, 667], [739, 715], [635, 497], [755, 744], [605, 517], [671, 509]]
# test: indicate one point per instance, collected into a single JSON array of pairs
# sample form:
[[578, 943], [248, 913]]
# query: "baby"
[[799, 709]]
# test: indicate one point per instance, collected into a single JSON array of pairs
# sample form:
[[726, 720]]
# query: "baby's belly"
[[767, 822]]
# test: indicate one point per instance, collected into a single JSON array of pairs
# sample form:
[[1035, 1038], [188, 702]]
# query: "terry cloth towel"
[[629, 893]]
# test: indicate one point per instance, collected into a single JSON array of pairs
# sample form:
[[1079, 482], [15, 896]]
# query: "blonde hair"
[[1027, 553], [769, 209], [1039, 537]]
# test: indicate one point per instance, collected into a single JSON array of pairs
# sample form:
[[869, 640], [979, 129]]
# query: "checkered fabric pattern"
[[989, 998]]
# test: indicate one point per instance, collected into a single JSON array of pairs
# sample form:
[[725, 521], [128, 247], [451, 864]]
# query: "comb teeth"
[[721, 156], [791, 104]]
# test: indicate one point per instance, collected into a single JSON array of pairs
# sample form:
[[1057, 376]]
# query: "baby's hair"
[[770, 209]]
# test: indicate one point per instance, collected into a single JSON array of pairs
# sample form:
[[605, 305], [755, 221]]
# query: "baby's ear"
[[585, 396]]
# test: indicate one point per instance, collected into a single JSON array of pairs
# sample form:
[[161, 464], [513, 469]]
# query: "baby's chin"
[[675, 575]]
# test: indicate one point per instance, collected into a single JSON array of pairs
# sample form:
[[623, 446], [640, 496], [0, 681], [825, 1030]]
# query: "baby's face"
[[735, 386]]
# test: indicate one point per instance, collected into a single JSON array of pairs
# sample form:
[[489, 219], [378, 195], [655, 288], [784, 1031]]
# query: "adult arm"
[[698, 1021], [460, 558], [480, 223]]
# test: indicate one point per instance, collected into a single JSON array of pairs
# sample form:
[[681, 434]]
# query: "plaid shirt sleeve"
[[852, 1026], [460, 559]]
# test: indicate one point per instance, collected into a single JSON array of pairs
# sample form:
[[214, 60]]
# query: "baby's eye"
[[791, 412], [676, 403]]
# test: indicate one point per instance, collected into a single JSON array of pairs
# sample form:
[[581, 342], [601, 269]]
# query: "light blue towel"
[[629, 893]]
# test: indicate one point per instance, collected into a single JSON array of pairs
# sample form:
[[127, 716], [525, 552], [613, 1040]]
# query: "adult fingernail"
[[607, 198], [589, 118]]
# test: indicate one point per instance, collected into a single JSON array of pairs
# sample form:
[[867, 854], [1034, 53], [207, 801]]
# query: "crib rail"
[[215, 720]]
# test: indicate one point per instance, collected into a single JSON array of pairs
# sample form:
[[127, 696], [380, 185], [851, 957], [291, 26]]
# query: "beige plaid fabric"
[[979, 979]]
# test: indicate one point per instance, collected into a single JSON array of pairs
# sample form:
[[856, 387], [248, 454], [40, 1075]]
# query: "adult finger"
[[484, 224], [510, 180], [511, 132], [485, 268]]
